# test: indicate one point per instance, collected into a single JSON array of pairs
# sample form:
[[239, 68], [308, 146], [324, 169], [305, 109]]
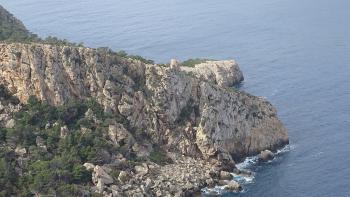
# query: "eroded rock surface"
[[193, 113], [223, 73], [197, 117]]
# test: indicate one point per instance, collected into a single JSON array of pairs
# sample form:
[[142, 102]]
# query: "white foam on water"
[[217, 190], [285, 149], [249, 161], [244, 178]]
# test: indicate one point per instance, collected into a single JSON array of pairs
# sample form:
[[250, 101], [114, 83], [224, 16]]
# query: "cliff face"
[[223, 73], [175, 109]]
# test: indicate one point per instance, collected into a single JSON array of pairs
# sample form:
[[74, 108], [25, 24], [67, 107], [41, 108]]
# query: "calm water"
[[294, 52]]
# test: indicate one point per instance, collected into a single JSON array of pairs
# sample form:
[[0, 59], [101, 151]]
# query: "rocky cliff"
[[175, 109], [77, 120], [222, 73]]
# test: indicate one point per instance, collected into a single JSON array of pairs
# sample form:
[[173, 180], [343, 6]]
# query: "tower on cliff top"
[[174, 64]]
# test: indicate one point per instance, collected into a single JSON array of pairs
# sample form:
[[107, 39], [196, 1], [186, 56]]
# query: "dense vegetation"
[[37, 156], [51, 163], [7, 98], [123, 54]]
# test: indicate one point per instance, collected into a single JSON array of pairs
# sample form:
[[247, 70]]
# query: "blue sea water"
[[296, 53]]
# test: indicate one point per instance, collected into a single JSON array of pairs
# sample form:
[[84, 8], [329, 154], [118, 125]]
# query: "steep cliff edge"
[[171, 107], [223, 73], [76, 121]]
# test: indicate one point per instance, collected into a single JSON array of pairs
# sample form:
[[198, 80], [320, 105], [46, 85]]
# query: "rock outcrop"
[[189, 114], [266, 155], [222, 73], [163, 130]]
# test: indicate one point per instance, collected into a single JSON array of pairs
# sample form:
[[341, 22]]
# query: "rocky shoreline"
[[163, 129]]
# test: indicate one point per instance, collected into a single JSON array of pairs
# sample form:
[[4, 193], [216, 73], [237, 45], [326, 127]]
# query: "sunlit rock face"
[[190, 110]]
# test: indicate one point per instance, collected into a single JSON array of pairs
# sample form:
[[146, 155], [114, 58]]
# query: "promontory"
[[81, 121]]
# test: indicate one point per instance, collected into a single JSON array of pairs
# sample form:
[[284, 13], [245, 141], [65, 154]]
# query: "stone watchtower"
[[174, 64]]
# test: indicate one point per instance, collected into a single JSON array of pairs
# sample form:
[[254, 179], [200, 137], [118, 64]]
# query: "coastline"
[[171, 130]]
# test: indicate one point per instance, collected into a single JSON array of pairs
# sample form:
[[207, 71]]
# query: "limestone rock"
[[89, 166], [156, 101], [10, 124], [40, 142], [141, 170], [123, 176], [20, 151], [120, 135], [192, 112], [101, 177], [64, 131], [266, 155], [141, 150], [223, 73], [233, 186], [224, 175]]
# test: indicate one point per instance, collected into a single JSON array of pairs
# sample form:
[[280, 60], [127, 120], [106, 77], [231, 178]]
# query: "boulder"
[[64, 131], [266, 155], [40, 142], [89, 166], [115, 191], [100, 175], [223, 182], [227, 163], [233, 186], [48, 125], [224, 175], [20, 151], [141, 170], [119, 135], [148, 183], [123, 176], [140, 150], [10, 124], [89, 113]]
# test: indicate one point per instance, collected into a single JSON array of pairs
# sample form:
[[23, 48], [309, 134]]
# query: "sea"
[[296, 53]]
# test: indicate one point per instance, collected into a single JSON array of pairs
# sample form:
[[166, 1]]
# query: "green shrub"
[[158, 156], [193, 62], [7, 97]]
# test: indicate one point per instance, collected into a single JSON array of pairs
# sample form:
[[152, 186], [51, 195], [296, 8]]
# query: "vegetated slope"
[[12, 29]]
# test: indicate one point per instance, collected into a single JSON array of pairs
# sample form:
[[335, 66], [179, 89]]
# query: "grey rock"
[[233, 186], [10, 124], [123, 176], [89, 166], [100, 175], [266, 155], [224, 73], [141, 170], [224, 175]]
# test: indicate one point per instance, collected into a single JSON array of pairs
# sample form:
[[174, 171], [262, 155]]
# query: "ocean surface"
[[296, 53]]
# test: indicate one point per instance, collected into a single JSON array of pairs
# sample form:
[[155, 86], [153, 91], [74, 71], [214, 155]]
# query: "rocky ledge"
[[222, 73]]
